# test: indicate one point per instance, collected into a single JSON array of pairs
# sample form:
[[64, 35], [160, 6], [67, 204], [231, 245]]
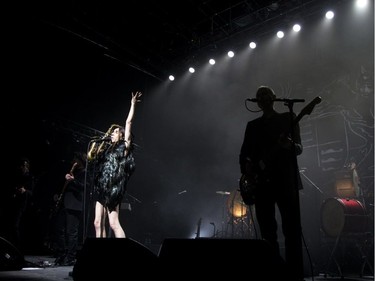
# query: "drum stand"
[[332, 257], [369, 243], [240, 225], [223, 233], [363, 247]]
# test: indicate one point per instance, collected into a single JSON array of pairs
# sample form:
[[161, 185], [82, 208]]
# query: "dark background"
[[64, 84]]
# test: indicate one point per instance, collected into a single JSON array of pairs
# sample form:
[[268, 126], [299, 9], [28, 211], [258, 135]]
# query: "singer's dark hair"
[[98, 148], [112, 128]]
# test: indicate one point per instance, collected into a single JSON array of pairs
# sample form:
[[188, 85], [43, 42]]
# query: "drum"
[[346, 185], [345, 188], [339, 215], [235, 204]]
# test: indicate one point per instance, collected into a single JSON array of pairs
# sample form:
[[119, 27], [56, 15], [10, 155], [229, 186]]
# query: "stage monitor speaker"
[[10, 257], [111, 258], [218, 258]]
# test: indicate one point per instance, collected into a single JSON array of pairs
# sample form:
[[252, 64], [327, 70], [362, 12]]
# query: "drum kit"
[[236, 215], [345, 216], [346, 212]]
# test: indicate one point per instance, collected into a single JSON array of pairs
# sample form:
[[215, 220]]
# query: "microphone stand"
[[311, 182], [84, 223], [134, 198], [289, 103], [86, 214]]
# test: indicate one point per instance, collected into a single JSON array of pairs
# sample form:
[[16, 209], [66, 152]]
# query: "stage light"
[[361, 3], [252, 45], [330, 15], [296, 27], [280, 34]]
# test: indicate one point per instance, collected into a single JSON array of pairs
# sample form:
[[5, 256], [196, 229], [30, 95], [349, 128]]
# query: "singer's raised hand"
[[136, 97]]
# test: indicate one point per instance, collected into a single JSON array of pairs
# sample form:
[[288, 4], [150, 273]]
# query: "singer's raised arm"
[[129, 120]]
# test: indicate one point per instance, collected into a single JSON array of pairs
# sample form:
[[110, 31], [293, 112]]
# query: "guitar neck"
[[58, 203], [306, 111], [73, 168]]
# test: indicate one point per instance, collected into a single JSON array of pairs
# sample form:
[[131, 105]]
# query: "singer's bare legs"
[[99, 221], [114, 223]]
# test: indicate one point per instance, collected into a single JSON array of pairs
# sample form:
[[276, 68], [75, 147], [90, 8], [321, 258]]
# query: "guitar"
[[251, 180], [61, 195]]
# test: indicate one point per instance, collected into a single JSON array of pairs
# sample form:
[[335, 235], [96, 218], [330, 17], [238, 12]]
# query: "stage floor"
[[42, 268]]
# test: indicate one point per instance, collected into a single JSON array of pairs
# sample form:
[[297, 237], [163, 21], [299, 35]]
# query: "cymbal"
[[222, 192]]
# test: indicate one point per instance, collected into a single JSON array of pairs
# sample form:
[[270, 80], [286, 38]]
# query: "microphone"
[[101, 139], [290, 100], [283, 100]]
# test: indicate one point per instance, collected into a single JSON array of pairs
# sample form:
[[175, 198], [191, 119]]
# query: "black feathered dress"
[[113, 171]]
